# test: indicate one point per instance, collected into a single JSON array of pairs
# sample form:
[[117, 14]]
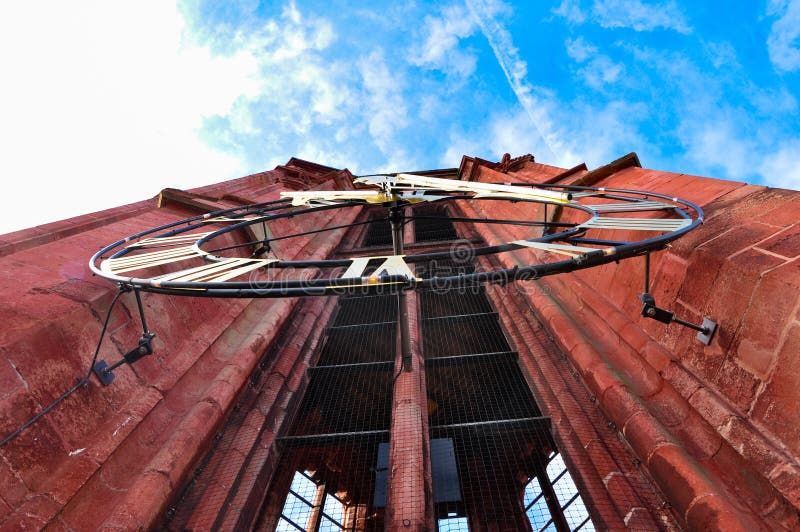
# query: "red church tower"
[[533, 405]]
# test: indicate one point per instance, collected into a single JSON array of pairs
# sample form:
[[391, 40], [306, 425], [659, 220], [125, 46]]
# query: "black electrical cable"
[[81, 382]]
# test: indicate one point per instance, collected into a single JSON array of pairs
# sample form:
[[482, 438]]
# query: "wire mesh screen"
[[435, 304], [354, 344], [366, 309], [475, 389], [431, 224], [493, 464], [379, 231], [331, 484], [334, 457], [340, 399], [462, 335], [490, 445]]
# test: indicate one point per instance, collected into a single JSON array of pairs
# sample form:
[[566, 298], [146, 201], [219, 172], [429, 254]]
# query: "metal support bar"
[[492, 423], [396, 219], [690, 325], [333, 435], [353, 365], [457, 316], [550, 497], [104, 372], [525, 223], [145, 331], [455, 358], [705, 332]]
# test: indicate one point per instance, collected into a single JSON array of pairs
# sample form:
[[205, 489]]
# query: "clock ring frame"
[[214, 278]]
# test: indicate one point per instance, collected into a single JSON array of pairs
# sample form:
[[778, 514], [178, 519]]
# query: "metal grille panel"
[[437, 304], [436, 228], [342, 399], [344, 468], [494, 462], [462, 335], [368, 309], [477, 388], [355, 344], [339, 435], [484, 423], [379, 232]]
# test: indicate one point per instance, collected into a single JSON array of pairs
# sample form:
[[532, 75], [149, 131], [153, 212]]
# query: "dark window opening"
[[337, 443], [344, 399], [471, 334], [355, 344], [379, 231], [477, 389], [368, 309], [431, 224], [490, 444]]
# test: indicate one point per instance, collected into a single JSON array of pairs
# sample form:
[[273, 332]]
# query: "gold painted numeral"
[[216, 271], [392, 265], [148, 260]]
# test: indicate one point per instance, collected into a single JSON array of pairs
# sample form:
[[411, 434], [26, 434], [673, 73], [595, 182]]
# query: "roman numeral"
[[158, 242], [630, 207], [148, 260], [392, 265], [637, 224], [562, 249], [223, 270]]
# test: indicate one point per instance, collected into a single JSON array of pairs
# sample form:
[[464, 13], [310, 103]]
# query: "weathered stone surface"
[[101, 442], [716, 426]]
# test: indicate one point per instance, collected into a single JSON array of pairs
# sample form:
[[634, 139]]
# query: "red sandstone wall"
[[113, 456], [716, 426]]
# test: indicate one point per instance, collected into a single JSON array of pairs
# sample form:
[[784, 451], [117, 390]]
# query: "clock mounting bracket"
[[102, 370], [705, 331]]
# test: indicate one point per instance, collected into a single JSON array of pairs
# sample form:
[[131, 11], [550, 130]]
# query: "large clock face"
[[229, 253]]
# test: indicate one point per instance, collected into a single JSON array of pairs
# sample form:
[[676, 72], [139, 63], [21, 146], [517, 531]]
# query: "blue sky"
[[105, 103]]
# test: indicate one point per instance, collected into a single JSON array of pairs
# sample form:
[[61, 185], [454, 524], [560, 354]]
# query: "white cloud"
[[715, 143], [312, 102], [599, 70], [462, 143], [640, 16], [783, 42], [570, 10], [609, 133], [769, 100], [556, 131], [385, 107], [533, 100], [720, 144], [100, 105], [720, 138], [440, 49], [722, 54], [780, 168], [579, 50]]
